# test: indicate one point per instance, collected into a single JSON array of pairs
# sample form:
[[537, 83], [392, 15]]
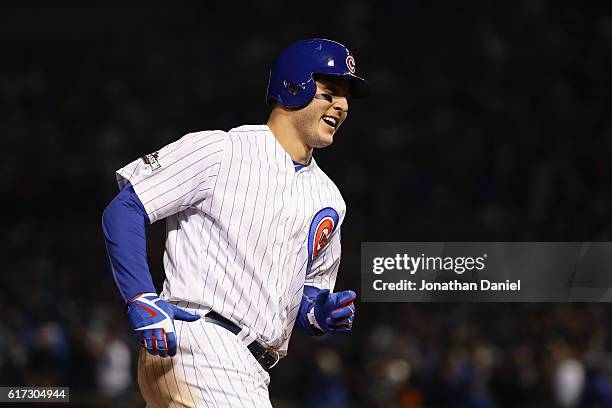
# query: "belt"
[[265, 356]]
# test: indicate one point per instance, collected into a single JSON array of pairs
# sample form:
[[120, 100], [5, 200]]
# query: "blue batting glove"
[[334, 312], [152, 319]]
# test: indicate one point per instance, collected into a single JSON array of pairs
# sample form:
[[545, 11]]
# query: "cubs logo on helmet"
[[322, 226], [350, 63]]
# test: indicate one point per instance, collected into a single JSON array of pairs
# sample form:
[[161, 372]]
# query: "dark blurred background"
[[490, 121]]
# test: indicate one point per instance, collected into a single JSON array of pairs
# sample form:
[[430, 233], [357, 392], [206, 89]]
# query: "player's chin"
[[326, 137], [324, 141]]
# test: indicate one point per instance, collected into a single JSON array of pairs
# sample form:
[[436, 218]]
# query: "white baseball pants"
[[212, 368]]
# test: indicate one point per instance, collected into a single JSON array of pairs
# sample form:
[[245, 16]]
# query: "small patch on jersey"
[[350, 63], [322, 226], [151, 160]]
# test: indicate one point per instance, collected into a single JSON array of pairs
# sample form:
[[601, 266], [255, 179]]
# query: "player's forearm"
[[123, 224]]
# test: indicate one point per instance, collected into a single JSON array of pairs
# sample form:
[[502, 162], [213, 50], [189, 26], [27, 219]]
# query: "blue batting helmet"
[[291, 78]]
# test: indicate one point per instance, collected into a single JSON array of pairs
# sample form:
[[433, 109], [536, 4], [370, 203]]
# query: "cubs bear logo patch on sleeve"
[[322, 226]]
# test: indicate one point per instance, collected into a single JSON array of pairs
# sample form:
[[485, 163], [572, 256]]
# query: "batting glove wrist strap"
[[152, 320], [313, 320], [136, 297]]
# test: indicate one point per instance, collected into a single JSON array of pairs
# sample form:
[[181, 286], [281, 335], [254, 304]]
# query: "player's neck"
[[289, 138]]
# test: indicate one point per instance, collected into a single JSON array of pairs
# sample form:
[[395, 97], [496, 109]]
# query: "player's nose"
[[341, 103]]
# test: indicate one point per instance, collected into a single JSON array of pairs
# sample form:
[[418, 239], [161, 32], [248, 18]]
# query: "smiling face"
[[318, 121]]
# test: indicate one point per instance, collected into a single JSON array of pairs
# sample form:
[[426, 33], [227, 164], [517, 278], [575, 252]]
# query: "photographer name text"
[[449, 286]]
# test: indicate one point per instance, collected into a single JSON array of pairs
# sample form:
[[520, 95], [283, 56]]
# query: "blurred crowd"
[[489, 121]]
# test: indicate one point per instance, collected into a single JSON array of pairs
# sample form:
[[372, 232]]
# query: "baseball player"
[[253, 239]]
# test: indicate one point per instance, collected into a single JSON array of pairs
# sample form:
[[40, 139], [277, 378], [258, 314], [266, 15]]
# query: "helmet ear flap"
[[292, 88]]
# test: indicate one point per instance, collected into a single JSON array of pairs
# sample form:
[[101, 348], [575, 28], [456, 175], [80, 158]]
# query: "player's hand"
[[153, 322], [335, 311]]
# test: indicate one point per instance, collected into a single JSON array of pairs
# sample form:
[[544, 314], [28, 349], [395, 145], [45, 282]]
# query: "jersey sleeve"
[[179, 175], [324, 269]]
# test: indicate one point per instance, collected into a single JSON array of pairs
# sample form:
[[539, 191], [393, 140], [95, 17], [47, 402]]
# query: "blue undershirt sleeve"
[[123, 224], [308, 299]]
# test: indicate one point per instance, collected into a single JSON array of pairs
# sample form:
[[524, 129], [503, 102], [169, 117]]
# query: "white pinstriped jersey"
[[240, 220]]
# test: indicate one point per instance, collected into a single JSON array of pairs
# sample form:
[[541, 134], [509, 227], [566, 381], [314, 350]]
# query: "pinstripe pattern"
[[212, 368], [238, 217]]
